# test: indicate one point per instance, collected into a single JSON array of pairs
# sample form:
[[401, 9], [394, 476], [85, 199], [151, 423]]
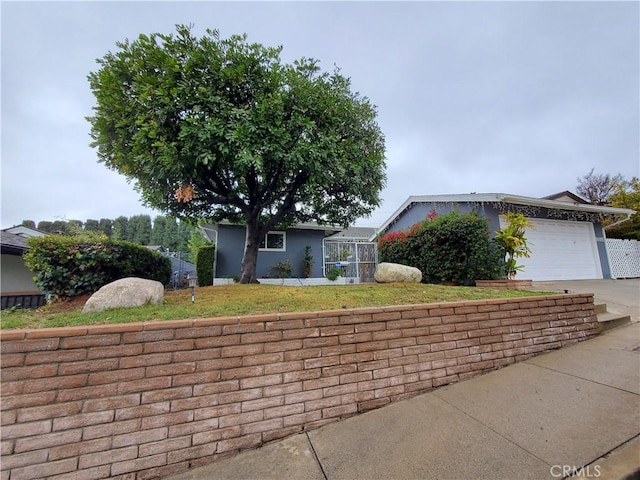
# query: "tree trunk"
[[250, 258]]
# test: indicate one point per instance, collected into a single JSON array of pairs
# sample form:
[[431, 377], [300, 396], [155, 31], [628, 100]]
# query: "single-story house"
[[17, 288], [277, 246], [567, 241]]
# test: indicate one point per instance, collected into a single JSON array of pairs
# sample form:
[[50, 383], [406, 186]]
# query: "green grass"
[[253, 299]]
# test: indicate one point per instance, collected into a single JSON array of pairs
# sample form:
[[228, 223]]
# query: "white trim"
[[284, 242]]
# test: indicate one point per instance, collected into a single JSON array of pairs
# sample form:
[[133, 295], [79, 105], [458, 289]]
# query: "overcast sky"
[[509, 97]]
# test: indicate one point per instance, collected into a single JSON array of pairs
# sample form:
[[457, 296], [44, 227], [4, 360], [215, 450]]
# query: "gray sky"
[[511, 97]]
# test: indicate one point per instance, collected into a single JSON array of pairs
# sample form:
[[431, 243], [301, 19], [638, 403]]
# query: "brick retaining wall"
[[146, 400]]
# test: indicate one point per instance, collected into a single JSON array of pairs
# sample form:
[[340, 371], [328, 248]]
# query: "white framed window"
[[274, 241]]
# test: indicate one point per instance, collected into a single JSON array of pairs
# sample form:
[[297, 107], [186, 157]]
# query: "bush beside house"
[[449, 248], [72, 266], [204, 265]]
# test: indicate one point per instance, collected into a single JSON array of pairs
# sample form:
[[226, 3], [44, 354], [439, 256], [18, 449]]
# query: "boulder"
[[395, 272], [126, 292]]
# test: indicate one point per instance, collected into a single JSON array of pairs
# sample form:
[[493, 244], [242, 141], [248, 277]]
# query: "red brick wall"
[[148, 399]]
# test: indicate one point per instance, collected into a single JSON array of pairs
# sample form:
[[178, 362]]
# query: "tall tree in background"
[[120, 228], [222, 129], [139, 229], [92, 225], [598, 188], [29, 223], [105, 226], [45, 226], [157, 233]]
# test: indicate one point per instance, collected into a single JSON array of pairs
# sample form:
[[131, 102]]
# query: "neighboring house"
[[567, 242], [276, 247], [17, 288]]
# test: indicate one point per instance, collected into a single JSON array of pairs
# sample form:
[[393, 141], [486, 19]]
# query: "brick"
[[36, 371], [111, 403], [355, 337], [302, 354], [320, 383], [284, 325], [445, 380], [320, 342], [141, 463], [28, 345], [262, 426], [239, 396], [401, 324], [10, 462], [59, 356], [242, 372], [356, 377], [216, 387], [46, 469], [283, 346], [162, 446], [147, 410], [322, 403], [114, 428], [209, 342], [109, 457], [290, 377], [302, 418], [192, 453], [20, 430], [281, 433], [145, 384], [114, 351], [301, 333], [195, 378], [321, 362], [194, 355], [139, 438], [28, 400], [18, 359], [171, 369], [213, 412], [260, 381], [267, 359], [302, 396], [372, 404], [87, 341], [277, 390], [8, 417], [198, 332], [386, 335], [167, 419], [218, 364], [388, 353], [401, 342], [82, 420], [88, 366], [166, 394], [338, 350], [242, 328], [437, 347], [339, 370], [251, 440], [261, 337], [371, 346], [262, 403], [54, 383], [48, 440], [113, 376]]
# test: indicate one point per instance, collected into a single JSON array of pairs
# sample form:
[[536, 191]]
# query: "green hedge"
[[204, 265], [449, 248], [69, 266]]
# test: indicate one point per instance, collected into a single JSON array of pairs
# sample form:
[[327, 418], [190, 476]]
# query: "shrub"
[[282, 269], [333, 273], [72, 266], [204, 265], [450, 248], [307, 262]]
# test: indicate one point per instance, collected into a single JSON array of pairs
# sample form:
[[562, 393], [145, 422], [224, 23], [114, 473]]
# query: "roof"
[[12, 244], [25, 231], [503, 198], [569, 196], [354, 233], [329, 229]]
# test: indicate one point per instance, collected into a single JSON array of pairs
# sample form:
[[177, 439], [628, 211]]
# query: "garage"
[[560, 250]]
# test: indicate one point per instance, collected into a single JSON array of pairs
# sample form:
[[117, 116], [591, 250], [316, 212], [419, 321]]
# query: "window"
[[274, 241]]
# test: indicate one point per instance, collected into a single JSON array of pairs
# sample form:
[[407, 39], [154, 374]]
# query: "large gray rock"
[[126, 292], [394, 272]]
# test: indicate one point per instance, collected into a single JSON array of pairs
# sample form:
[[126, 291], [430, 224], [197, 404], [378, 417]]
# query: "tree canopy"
[[223, 129]]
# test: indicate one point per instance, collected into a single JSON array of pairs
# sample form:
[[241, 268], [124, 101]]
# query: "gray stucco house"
[[277, 246], [17, 288], [567, 242]]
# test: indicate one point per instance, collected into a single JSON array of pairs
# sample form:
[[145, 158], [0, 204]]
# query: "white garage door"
[[560, 250]]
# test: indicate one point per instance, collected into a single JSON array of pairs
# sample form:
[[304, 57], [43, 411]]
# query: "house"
[[17, 288], [277, 246], [567, 241]]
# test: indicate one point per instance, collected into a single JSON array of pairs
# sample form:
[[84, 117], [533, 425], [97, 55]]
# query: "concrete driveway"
[[621, 296]]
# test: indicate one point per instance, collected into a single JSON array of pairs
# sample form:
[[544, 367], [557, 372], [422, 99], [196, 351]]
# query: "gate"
[[356, 260]]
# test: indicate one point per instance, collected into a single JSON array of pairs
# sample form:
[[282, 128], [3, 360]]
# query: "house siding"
[[420, 210], [231, 240]]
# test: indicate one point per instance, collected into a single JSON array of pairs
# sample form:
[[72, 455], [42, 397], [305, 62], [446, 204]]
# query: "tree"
[[598, 188], [45, 226], [92, 225], [511, 238], [120, 227], [222, 129], [29, 223], [106, 226], [157, 233], [139, 230]]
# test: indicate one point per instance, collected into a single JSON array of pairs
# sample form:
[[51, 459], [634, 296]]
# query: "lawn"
[[238, 299]]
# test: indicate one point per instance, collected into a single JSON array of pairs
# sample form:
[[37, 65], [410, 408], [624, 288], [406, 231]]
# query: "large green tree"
[[223, 129]]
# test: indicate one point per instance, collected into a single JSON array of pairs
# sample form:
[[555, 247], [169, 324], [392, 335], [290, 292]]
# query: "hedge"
[[449, 248], [204, 265], [72, 266]]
